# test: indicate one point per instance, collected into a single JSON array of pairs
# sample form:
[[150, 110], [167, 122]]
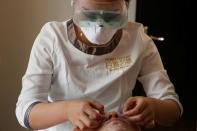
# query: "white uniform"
[[59, 71]]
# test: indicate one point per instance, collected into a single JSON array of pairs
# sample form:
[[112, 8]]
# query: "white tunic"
[[59, 71]]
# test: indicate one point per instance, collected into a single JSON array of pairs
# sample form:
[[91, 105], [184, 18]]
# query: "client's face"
[[115, 122]]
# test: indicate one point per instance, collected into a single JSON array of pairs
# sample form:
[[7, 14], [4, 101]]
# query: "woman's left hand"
[[139, 110]]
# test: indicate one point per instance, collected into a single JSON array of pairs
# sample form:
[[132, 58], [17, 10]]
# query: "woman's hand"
[[139, 110], [84, 113]]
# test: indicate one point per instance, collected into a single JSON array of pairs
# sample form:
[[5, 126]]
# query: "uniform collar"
[[92, 49]]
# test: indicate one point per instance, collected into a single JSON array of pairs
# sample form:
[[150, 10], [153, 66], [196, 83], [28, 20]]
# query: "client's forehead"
[[120, 123]]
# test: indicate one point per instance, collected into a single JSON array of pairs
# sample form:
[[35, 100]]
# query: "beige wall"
[[20, 22]]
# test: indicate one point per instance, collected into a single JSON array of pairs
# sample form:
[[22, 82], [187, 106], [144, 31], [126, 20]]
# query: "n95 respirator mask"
[[99, 21]]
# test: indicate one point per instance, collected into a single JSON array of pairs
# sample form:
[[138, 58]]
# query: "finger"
[[76, 129], [139, 107], [150, 124], [146, 120], [98, 106], [80, 124], [92, 114], [89, 123], [129, 104], [139, 118]]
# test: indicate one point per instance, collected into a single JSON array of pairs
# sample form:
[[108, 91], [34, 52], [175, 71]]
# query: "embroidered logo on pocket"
[[117, 63]]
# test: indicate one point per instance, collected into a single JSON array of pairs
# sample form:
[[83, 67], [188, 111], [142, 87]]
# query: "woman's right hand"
[[84, 113]]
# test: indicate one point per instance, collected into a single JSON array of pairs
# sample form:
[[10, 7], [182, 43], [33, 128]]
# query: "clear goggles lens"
[[114, 19]]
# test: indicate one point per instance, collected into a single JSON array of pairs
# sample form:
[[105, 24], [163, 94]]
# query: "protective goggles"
[[114, 17]]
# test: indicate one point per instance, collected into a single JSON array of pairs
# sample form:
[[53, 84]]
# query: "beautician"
[[88, 65]]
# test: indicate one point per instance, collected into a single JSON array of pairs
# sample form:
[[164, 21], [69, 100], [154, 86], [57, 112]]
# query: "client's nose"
[[113, 115]]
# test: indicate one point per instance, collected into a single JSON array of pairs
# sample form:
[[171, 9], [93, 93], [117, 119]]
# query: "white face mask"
[[98, 35]]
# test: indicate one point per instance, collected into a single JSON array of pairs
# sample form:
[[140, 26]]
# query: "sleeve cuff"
[[26, 117], [177, 102]]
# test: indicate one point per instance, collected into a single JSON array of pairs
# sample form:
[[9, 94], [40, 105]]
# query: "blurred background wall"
[[20, 22]]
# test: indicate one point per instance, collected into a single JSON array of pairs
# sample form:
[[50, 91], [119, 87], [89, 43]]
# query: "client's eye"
[[110, 116]]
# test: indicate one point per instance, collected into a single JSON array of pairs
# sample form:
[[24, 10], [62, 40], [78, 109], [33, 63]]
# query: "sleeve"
[[154, 77], [37, 79]]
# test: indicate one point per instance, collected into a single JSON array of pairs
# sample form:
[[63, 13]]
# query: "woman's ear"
[[127, 4]]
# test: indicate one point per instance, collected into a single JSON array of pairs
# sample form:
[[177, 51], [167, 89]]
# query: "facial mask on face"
[[98, 35]]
